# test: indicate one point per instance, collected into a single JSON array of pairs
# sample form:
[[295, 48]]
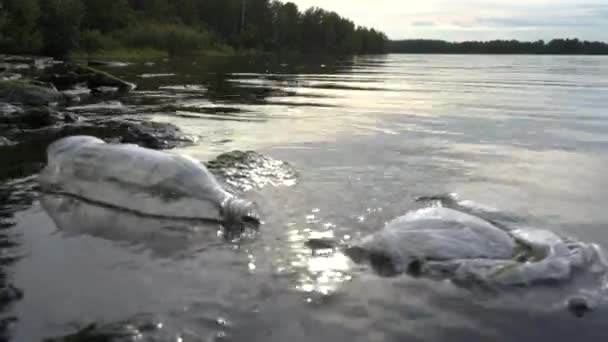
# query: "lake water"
[[525, 134]]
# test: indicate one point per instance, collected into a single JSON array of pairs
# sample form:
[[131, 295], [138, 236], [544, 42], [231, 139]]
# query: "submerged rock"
[[247, 170], [8, 109], [38, 62], [69, 75], [114, 64], [9, 76], [9, 294], [103, 108], [27, 93], [149, 134], [144, 328], [155, 135], [37, 117], [580, 306], [6, 142]]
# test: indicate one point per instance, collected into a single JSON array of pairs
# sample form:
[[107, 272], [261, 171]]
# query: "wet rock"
[[9, 109], [580, 306], [6, 142], [29, 64], [6, 324], [156, 75], [9, 76], [16, 59], [28, 93], [103, 108], [144, 328], [9, 294], [247, 170], [41, 117], [76, 93], [69, 75], [37, 117], [33, 61], [153, 135], [113, 64], [14, 66]]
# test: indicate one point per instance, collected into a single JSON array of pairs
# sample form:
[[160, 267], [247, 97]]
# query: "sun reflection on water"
[[320, 271]]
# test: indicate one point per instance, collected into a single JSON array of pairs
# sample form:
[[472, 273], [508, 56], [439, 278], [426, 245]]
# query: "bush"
[[174, 38], [59, 23], [94, 40]]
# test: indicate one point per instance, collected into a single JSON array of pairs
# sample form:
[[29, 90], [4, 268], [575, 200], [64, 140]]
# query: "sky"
[[458, 20]]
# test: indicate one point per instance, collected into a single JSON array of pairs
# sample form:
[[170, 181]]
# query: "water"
[[525, 134]]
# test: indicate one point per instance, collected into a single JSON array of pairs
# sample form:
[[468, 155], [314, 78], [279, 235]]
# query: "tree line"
[[57, 27], [555, 46]]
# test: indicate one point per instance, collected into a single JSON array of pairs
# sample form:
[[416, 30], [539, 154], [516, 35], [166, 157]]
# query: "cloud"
[[423, 23], [536, 22], [476, 19]]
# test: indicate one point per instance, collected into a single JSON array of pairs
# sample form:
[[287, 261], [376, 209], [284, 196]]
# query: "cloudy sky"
[[476, 19]]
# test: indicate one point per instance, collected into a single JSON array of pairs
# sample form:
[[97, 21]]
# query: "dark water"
[[523, 134]]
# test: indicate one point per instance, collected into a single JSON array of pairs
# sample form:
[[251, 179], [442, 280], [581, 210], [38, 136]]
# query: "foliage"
[[18, 26], [60, 23], [106, 15], [57, 27], [94, 40], [556, 46], [173, 38]]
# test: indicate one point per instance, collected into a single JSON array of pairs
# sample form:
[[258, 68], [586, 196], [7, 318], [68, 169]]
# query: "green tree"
[[60, 25], [20, 30], [106, 15], [286, 25], [188, 11]]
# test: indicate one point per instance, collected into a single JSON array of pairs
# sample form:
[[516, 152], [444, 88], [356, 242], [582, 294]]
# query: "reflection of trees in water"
[[272, 75], [14, 196]]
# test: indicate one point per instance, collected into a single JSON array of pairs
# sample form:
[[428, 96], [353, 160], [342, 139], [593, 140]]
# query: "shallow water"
[[525, 134]]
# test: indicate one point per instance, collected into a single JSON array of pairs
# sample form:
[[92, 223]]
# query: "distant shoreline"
[[495, 54], [499, 47]]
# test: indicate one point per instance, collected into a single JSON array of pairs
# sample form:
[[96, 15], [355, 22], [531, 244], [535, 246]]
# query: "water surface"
[[525, 134]]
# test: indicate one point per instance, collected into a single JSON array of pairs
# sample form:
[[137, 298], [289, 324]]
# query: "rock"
[[580, 306], [97, 78], [8, 109], [9, 294], [37, 117], [103, 108], [28, 93], [6, 142], [149, 134], [16, 59], [153, 135], [27, 62], [113, 64], [247, 170], [9, 76], [142, 327], [69, 75], [41, 117], [76, 91]]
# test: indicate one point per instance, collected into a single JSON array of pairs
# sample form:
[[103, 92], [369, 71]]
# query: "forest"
[[555, 46], [60, 27]]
